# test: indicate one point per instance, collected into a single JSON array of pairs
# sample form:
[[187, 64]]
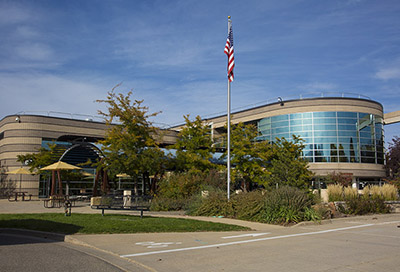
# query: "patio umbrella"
[[57, 167], [21, 171], [119, 176]]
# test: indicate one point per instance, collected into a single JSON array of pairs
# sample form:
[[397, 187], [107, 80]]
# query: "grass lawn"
[[109, 223]]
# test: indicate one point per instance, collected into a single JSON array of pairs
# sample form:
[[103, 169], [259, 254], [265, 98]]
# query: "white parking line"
[[247, 241], [246, 235]]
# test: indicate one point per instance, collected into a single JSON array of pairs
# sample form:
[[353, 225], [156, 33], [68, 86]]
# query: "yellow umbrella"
[[60, 166], [57, 167], [122, 175], [21, 171]]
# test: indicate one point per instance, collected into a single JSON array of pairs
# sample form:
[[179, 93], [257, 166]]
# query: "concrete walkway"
[[353, 237]]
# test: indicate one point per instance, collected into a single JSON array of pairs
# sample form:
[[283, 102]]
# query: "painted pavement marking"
[[246, 235], [251, 241]]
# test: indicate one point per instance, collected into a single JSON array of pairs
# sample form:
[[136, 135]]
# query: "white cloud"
[[388, 73]]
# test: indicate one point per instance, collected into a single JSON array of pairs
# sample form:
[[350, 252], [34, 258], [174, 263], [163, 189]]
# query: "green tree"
[[194, 147], [129, 145], [43, 157], [287, 167], [249, 158]]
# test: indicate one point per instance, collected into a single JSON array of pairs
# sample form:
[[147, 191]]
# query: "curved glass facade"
[[348, 137]]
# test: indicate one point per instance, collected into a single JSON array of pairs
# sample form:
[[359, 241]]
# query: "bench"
[[135, 203], [58, 201]]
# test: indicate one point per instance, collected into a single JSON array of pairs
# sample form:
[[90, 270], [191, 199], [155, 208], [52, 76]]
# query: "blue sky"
[[63, 55]]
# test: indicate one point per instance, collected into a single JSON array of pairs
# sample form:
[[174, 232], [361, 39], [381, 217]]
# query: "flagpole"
[[229, 141], [229, 128]]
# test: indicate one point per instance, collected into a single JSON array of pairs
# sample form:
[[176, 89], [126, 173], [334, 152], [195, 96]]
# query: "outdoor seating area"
[[126, 202], [58, 201], [24, 196]]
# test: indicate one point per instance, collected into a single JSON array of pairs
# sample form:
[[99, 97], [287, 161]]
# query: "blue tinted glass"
[[307, 121], [347, 114], [347, 121], [324, 121], [304, 134], [280, 124], [324, 114], [282, 135], [296, 122], [347, 133], [326, 140], [307, 115], [324, 133], [296, 128], [296, 116], [280, 130], [264, 121], [348, 127], [324, 127], [280, 118]]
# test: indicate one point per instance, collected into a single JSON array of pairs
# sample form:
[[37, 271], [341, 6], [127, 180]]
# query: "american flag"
[[229, 52]]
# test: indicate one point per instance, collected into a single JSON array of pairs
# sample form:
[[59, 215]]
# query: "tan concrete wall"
[[392, 117]]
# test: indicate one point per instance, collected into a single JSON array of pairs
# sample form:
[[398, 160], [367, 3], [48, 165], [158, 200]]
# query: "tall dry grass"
[[350, 193], [335, 192], [387, 192]]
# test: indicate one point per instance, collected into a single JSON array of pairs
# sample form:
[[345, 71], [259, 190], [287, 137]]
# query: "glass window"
[[347, 133], [324, 133], [280, 130], [352, 127], [295, 116], [296, 122], [280, 118], [324, 114], [324, 121], [347, 114], [348, 121], [325, 127], [325, 140], [280, 124]]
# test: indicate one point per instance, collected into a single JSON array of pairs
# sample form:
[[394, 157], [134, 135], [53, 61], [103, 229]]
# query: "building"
[[27, 133], [341, 134]]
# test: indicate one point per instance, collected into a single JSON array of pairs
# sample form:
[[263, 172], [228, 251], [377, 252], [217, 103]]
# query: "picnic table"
[[14, 196]]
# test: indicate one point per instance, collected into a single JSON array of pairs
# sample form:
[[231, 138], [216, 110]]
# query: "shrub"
[[361, 206], [285, 205], [185, 185], [389, 192], [335, 192], [350, 193], [216, 204], [169, 204], [386, 192], [249, 206]]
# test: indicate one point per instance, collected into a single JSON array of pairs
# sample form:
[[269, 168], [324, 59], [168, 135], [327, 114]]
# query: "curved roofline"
[[294, 100]]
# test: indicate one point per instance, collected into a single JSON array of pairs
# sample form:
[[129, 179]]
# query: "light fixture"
[[18, 119], [280, 100]]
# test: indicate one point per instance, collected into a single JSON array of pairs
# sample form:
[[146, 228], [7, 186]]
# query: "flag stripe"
[[229, 52]]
